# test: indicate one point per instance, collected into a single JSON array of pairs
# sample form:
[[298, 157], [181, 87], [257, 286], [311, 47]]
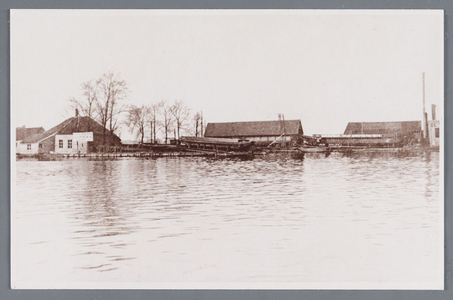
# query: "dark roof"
[[402, 127], [69, 126], [23, 132], [259, 128]]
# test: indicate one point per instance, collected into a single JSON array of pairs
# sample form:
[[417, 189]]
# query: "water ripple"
[[268, 219]]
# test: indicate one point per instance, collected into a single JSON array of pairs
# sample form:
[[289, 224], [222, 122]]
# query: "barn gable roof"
[[383, 127], [23, 132], [258, 128], [69, 126]]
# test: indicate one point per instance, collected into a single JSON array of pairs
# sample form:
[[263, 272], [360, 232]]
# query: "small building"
[[261, 132], [403, 129], [72, 136], [434, 133], [375, 134], [23, 132], [174, 141]]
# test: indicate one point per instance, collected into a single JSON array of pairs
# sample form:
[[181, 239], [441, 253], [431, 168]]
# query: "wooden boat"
[[313, 149], [203, 143]]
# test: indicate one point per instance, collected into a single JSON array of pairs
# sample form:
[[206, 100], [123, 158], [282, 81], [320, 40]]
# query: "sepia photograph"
[[227, 149]]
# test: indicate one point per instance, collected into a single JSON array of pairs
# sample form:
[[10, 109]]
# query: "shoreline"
[[219, 154]]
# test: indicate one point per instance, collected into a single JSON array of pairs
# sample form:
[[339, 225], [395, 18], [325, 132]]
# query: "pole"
[[424, 109], [281, 118], [284, 127], [202, 132]]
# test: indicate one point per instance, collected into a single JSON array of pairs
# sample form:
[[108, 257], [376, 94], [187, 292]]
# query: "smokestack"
[[433, 111], [78, 119], [425, 127]]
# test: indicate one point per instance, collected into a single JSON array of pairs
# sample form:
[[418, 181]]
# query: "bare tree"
[[137, 119], [119, 93], [180, 114], [167, 120], [87, 104], [111, 91], [196, 121], [155, 110], [90, 90]]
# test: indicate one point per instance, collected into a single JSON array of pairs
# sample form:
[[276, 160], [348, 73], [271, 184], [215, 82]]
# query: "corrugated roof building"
[[259, 131], [399, 129]]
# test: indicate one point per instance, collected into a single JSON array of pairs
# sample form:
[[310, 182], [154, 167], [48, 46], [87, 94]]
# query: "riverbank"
[[137, 154], [262, 152]]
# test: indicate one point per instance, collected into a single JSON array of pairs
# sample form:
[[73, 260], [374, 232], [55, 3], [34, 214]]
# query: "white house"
[[23, 133], [76, 143], [72, 136]]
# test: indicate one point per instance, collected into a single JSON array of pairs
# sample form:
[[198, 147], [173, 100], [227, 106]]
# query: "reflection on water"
[[335, 218]]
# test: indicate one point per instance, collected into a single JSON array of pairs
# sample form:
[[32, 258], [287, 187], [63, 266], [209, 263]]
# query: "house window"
[[28, 146], [40, 146], [69, 143], [60, 143], [436, 132]]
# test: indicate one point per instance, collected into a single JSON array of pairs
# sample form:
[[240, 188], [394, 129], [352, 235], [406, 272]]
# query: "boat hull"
[[314, 149]]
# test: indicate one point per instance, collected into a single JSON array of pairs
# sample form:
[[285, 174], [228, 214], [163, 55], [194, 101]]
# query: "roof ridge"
[[68, 126], [384, 121], [45, 134], [254, 128], [290, 120], [21, 127]]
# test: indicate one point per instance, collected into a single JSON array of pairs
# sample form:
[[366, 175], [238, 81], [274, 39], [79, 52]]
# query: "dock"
[[146, 155]]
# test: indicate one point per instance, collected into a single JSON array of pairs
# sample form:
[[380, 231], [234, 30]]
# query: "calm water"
[[362, 218]]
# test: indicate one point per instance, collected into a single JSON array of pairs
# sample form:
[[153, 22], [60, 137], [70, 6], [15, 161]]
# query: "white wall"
[[22, 148], [79, 144], [432, 125], [17, 146]]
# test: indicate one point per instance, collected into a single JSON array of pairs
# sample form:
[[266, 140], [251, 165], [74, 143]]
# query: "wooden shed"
[[260, 132], [411, 129]]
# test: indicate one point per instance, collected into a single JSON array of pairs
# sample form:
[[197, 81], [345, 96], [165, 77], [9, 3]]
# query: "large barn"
[[375, 134], [260, 132], [74, 135], [409, 129]]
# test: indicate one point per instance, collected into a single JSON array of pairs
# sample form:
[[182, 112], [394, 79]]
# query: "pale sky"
[[325, 68]]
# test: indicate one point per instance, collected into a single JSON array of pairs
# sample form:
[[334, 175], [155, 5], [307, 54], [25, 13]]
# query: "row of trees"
[[103, 100], [163, 117]]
